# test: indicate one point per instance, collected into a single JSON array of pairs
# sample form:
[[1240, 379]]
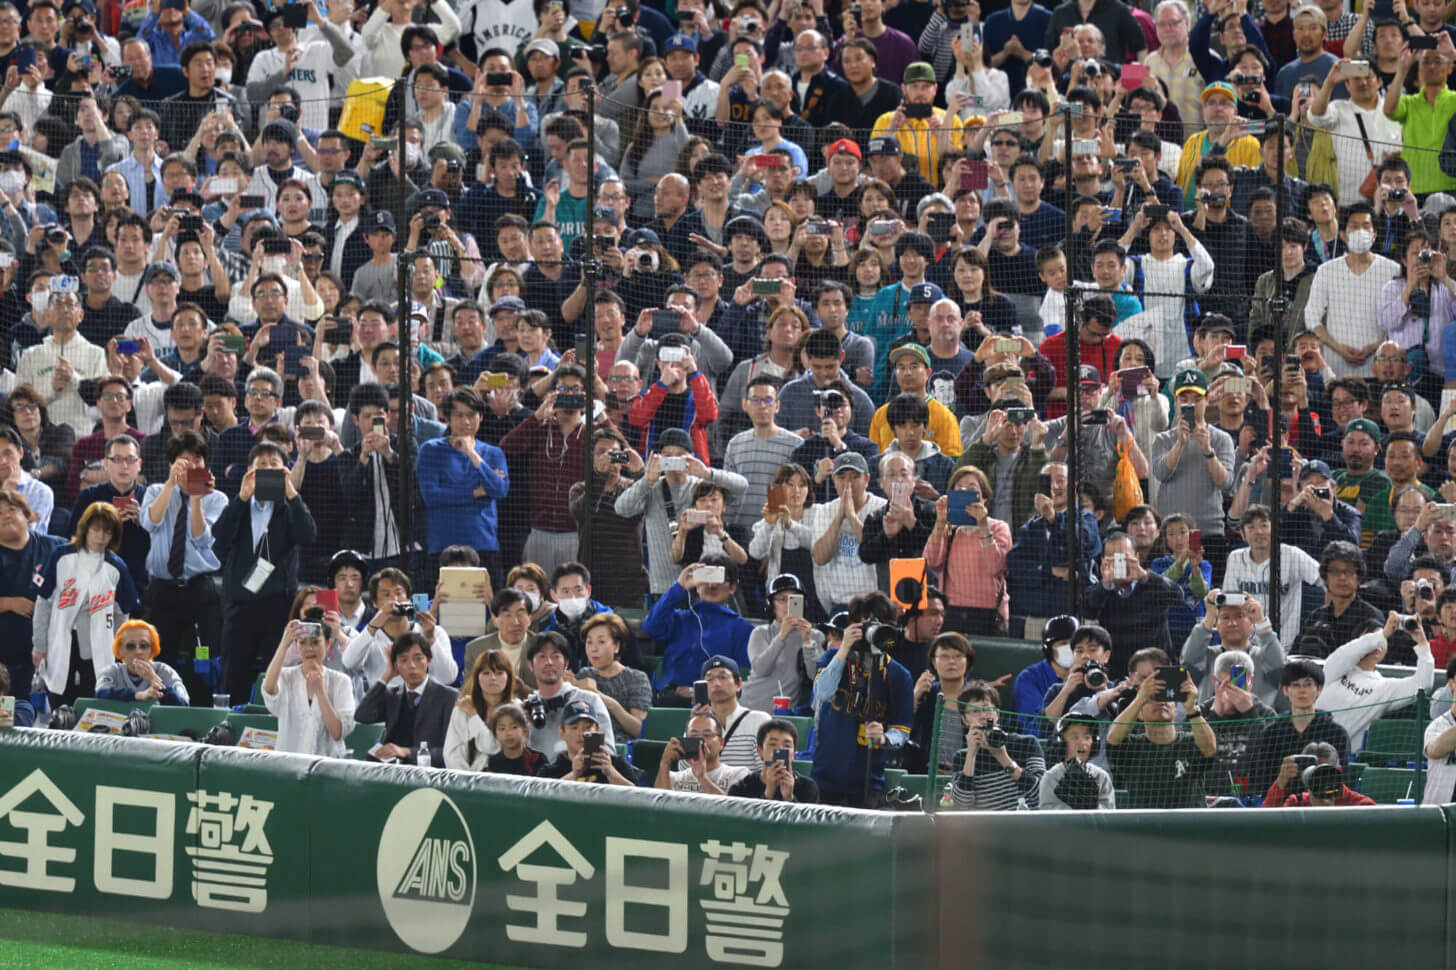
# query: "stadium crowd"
[[828, 269]]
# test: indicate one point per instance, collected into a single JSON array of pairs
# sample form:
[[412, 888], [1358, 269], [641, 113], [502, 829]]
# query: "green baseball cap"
[[1190, 377], [919, 71], [1365, 425]]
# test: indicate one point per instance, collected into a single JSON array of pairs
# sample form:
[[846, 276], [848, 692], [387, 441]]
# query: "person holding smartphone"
[[1159, 763], [588, 756], [777, 780], [700, 748]]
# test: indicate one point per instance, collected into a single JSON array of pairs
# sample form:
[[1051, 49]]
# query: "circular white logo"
[[426, 871]]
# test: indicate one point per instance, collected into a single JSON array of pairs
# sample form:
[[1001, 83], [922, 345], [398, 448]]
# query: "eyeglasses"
[[761, 400], [616, 379], [1005, 144], [124, 459], [260, 392], [139, 645], [25, 406], [1389, 359], [116, 396], [268, 293], [332, 151]]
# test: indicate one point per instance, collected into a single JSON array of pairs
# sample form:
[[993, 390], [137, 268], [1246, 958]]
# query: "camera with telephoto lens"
[[55, 235], [877, 638], [1042, 58], [996, 736], [535, 710], [1094, 675]]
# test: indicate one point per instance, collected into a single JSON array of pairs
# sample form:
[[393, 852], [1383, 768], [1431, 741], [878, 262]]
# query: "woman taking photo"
[[779, 223], [971, 558], [1138, 403], [819, 252], [652, 153], [469, 741], [71, 641], [980, 304], [626, 692], [1184, 565], [783, 653], [781, 540], [314, 703], [1417, 307]]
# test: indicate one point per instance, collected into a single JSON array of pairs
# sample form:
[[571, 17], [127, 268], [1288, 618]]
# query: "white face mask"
[[11, 182], [1062, 656], [1360, 240], [533, 598], [572, 606], [223, 75], [411, 154]]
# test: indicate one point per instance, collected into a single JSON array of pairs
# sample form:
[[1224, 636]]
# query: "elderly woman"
[[137, 674], [86, 592]]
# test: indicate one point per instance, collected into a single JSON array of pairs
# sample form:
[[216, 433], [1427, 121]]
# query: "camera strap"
[[728, 734], [667, 500]]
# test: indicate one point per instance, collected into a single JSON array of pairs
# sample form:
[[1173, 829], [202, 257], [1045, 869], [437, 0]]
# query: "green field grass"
[[47, 941]]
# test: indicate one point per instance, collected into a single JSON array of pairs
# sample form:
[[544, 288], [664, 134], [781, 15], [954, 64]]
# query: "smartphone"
[[1119, 565], [310, 631], [1239, 676], [1286, 462], [1155, 213], [124, 346], [697, 517], [882, 227], [268, 484], [670, 321], [422, 602], [293, 356], [917, 109], [1132, 76], [1234, 351], [571, 400], [379, 426], [671, 355], [1188, 413], [223, 186], [700, 692], [497, 382], [1020, 416], [383, 143], [251, 201], [764, 288], [187, 222], [582, 348], [1238, 385], [327, 599], [1172, 679], [768, 160], [1291, 360], [199, 481], [1044, 484], [1444, 512], [900, 493], [675, 463], [939, 225], [1132, 380], [795, 605], [781, 756], [740, 61], [1358, 69], [958, 506], [973, 174], [709, 574], [123, 502], [295, 16], [276, 246], [1423, 42], [25, 59], [310, 432], [591, 743], [692, 748], [671, 91], [7, 706], [1010, 118], [1195, 542], [778, 496], [1086, 146]]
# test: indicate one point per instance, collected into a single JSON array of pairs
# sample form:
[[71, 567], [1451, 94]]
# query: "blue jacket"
[[692, 635], [1028, 691], [839, 753], [1040, 545], [447, 485], [22, 571]]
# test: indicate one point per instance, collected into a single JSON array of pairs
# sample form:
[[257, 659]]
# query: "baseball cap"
[[1190, 378], [677, 42], [910, 350], [160, 269], [1224, 88], [347, 177], [545, 45], [851, 460], [508, 302], [1315, 467], [925, 293], [1308, 10], [720, 662], [381, 219], [785, 583], [1365, 425], [577, 711], [435, 197], [836, 624], [846, 145], [449, 151], [884, 146], [1216, 323], [1088, 374], [919, 71], [674, 436], [1101, 308], [604, 213], [643, 237]]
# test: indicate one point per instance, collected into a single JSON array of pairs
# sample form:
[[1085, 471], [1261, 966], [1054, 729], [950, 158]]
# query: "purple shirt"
[[1408, 329], [895, 50]]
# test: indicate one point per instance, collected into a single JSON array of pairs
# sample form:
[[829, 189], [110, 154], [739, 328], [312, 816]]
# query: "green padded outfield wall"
[[474, 867]]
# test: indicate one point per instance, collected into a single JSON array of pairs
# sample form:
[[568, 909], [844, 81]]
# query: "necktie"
[[177, 555]]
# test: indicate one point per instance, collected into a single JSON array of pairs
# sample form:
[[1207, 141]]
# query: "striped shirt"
[[741, 749], [994, 789], [758, 460], [845, 576]]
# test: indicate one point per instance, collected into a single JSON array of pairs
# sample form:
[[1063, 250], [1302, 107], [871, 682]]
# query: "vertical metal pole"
[[1277, 310], [1074, 403], [404, 514], [589, 267]]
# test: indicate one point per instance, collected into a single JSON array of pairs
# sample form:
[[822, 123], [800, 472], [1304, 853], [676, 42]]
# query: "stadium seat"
[[239, 721], [1123, 799], [647, 755], [804, 769], [116, 707], [175, 720], [664, 722], [805, 727], [1388, 785], [362, 738], [1396, 742]]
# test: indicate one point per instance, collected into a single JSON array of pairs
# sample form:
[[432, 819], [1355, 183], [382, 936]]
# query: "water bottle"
[[423, 757]]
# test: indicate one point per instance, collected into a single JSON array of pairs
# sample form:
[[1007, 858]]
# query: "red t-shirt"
[[1103, 356]]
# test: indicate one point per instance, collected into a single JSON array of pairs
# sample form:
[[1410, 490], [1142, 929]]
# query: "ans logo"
[[426, 871]]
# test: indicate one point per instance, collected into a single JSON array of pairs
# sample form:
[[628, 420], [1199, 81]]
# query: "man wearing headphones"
[[1028, 691], [1074, 783]]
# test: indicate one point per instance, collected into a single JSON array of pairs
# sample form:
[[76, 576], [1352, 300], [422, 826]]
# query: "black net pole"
[[1277, 310], [589, 284], [1074, 363], [404, 514]]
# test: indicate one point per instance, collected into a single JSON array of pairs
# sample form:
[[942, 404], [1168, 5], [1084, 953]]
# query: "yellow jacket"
[[1242, 151], [944, 430], [916, 138]]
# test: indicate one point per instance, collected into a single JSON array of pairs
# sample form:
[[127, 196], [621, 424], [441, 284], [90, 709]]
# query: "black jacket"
[[357, 479], [1137, 620], [290, 527], [356, 250], [432, 717]]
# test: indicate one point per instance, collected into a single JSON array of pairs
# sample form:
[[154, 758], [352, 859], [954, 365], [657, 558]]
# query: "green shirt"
[[1423, 131], [1353, 489], [570, 217], [1379, 516]]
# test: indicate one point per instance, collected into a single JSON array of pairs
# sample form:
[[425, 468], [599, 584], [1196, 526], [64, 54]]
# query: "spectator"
[[996, 770], [1352, 282], [1037, 565], [1091, 648], [911, 366], [1345, 615], [757, 453], [626, 691], [837, 528], [937, 694], [121, 489], [1238, 620], [1248, 570], [972, 570], [137, 674], [782, 652], [705, 772], [899, 529], [1237, 717], [416, 712], [1425, 115], [490, 684], [1300, 682], [548, 656], [686, 629], [777, 780], [1075, 783], [1356, 693], [1157, 762], [553, 533], [1129, 601], [1440, 741], [314, 703], [58, 364], [576, 763], [460, 495], [834, 416], [509, 725]]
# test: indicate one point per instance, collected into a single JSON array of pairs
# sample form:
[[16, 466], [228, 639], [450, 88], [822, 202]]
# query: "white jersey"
[[1296, 567], [499, 23], [1440, 773], [310, 78]]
